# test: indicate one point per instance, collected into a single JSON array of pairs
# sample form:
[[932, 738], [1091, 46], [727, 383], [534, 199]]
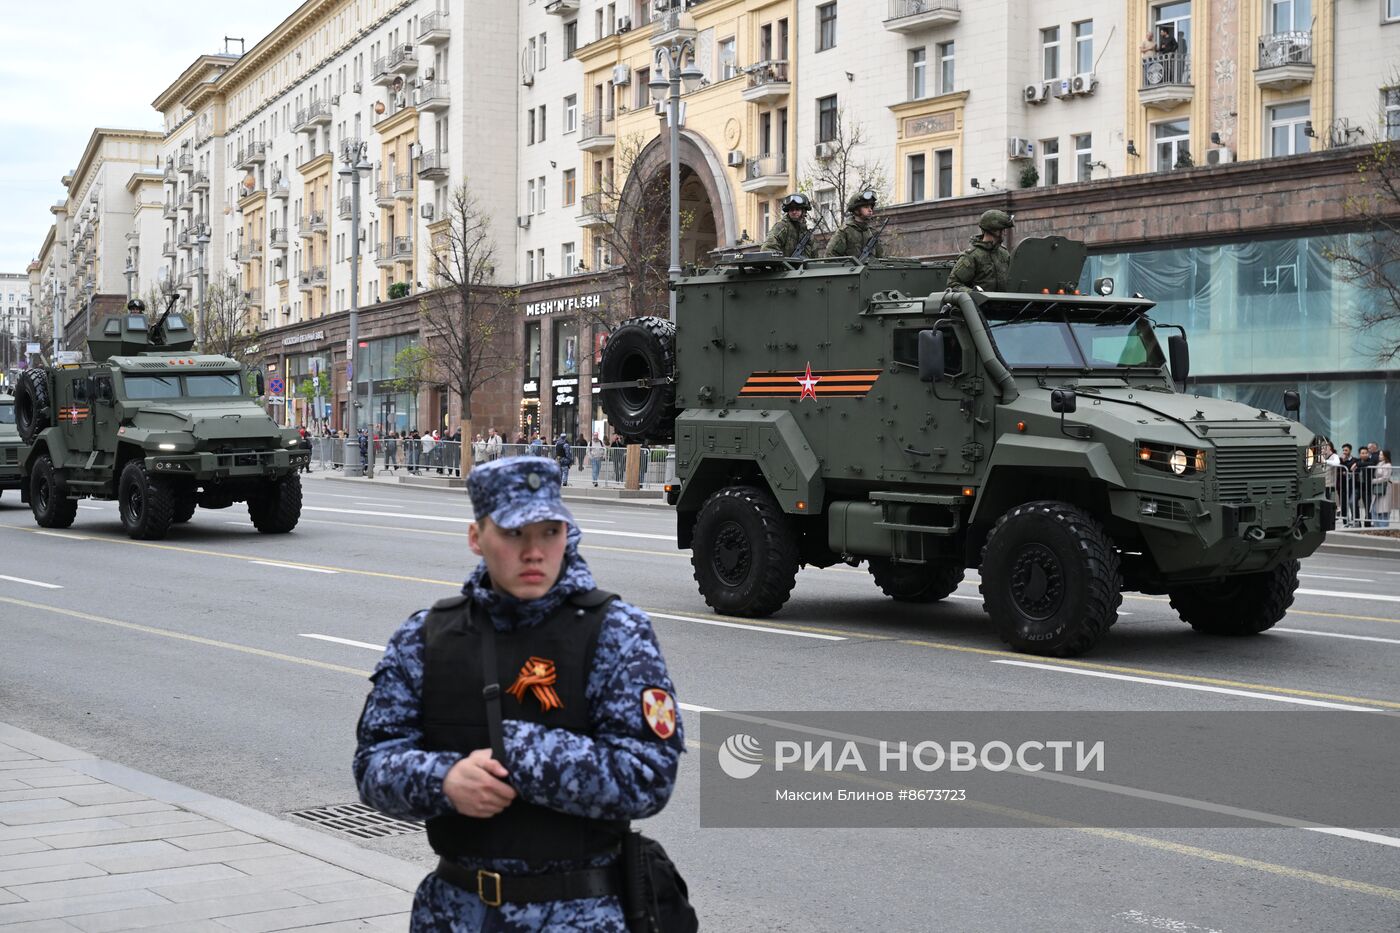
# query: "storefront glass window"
[[565, 348], [532, 350]]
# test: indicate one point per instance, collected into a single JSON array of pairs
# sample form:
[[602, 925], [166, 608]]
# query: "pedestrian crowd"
[[1362, 485]]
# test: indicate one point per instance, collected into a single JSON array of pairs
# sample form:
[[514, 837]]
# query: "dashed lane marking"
[[1323, 576], [302, 567], [1341, 594], [38, 583], [343, 641], [746, 626], [1305, 631], [55, 534]]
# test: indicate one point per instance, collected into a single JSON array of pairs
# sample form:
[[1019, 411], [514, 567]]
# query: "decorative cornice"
[[315, 165], [928, 104]]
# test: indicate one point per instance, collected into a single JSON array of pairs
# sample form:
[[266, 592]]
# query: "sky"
[[80, 64]]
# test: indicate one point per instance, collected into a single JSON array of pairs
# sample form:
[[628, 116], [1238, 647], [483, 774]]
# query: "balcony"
[[304, 225], [592, 212], [312, 277], [910, 16], [561, 7], [596, 131], [183, 240], [185, 284], [255, 153], [671, 26], [765, 173], [318, 113], [187, 201], [1285, 60], [383, 258], [1166, 80], [402, 248], [432, 97], [768, 81], [253, 297], [255, 249], [384, 194], [170, 209], [342, 208], [185, 164], [401, 61], [432, 28], [403, 186], [279, 189], [278, 237], [168, 250], [200, 181], [241, 255], [171, 177], [317, 219], [432, 165]]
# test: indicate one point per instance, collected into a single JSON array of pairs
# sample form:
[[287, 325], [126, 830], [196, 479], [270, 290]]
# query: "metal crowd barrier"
[[1366, 496]]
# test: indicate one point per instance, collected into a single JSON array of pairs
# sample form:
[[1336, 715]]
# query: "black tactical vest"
[[454, 719]]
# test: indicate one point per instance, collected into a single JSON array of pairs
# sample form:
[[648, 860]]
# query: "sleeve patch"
[[659, 711]]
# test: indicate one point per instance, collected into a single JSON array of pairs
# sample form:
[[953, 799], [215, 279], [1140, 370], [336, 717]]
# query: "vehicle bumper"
[[205, 467]]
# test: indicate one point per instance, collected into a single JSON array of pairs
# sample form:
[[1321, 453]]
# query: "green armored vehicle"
[[829, 411], [156, 427], [12, 448]]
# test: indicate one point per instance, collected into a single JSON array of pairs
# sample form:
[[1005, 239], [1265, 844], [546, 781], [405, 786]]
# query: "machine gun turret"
[[130, 333]]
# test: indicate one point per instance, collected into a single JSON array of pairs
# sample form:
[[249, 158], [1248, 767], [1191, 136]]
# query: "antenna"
[[229, 40]]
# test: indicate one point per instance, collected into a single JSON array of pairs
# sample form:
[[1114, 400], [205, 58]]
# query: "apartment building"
[[14, 321]]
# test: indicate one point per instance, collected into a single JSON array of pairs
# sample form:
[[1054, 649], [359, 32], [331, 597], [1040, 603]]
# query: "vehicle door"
[[104, 420], [935, 429], [73, 415]]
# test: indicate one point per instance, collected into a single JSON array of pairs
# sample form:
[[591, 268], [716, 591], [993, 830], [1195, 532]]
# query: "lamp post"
[[354, 166], [58, 297], [201, 243], [130, 273], [674, 58]]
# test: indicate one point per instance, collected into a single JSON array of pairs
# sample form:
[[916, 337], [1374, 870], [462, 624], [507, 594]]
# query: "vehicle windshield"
[[204, 385], [1048, 343], [7, 412]]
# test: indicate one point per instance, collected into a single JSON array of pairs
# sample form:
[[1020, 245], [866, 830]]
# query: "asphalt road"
[[210, 659]]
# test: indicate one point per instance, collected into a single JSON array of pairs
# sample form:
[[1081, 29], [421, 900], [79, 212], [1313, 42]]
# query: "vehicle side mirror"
[[1291, 401], [1063, 401], [931, 356], [259, 384], [1179, 355]]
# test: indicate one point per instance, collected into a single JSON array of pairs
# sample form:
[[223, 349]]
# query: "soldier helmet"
[[992, 221], [864, 198], [136, 306], [796, 202]]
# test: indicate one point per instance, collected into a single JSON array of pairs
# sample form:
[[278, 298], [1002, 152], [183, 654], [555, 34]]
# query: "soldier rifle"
[[871, 243]]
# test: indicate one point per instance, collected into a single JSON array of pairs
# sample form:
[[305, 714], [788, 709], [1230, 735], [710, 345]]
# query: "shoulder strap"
[[592, 599], [491, 692]]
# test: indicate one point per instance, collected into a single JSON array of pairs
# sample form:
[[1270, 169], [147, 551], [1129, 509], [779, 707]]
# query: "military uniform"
[[785, 236], [984, 265], [599, 755], [850, 241]]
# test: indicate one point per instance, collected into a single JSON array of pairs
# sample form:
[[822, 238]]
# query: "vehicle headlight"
[[1178, 462], [1309, 458], [1164, 458], [167, 446]]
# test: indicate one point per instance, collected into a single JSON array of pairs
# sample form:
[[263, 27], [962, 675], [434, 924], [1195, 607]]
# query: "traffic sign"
[[275, 385]]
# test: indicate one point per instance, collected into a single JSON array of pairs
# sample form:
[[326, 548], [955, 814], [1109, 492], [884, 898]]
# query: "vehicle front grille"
[[1245, 473]]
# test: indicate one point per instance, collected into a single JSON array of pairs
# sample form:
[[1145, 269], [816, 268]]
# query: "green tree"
[[411, 369]]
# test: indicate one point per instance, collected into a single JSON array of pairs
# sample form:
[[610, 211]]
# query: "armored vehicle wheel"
[[744, 553], [1050, 579], [183, 508], [915, 583], [1245, 605], [33, 413], [52, 509], [276, 508], [642, 348], [146, 504]]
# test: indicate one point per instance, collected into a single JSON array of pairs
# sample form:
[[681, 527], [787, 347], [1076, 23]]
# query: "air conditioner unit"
[[622, 74], [335, 99], [426, 212], [1018, 148], [528, 79], [1084, 84], [1063, 88], [523, 221], [1037, 93], [1220, 156], [736, 158], [408, 48], [624, 24], [826, 150]]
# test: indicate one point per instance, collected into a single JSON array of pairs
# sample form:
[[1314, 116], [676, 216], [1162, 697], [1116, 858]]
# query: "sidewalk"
[[91, 845], [1360, 544], [453, 484]]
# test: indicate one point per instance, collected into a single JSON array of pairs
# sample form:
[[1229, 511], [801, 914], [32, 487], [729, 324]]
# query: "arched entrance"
[[706, 199]]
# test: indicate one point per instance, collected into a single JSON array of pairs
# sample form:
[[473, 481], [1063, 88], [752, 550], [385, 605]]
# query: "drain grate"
[[358, 820]]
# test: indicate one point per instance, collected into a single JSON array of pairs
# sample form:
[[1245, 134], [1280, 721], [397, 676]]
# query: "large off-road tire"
[[276, 508], [52, 509], [183, 508], [642, 348], [146, 503], [1244, 605], [1050, 579], [915, 583], [33, 411], [744, 553]]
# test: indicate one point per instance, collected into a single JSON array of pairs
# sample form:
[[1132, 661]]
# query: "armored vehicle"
[[830, 411], [156, 427], [12, 449]]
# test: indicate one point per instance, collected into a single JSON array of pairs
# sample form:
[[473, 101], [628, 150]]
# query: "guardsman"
[[527, 720], [985, 264], [855, 234], [787, 234]]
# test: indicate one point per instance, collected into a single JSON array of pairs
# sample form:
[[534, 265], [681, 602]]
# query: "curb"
[[646, 499], [1359, 550], [392, 871]]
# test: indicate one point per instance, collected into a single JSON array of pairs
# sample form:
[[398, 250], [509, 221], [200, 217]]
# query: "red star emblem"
[[809, 384]]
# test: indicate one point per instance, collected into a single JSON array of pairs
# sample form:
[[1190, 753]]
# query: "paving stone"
[[101, 793], [143, 918], [269, 866], [21, 876], [110, 831], [61, 810], [7, 898], [90, 854], [9, 784], [11, 770], [25, 792], [389, 923], [47, 802], [322, 874], [231, 837], [268, 921], [344, 890], [47, 830], [159, 818], [71, 779], [198, 926], [179, 857], [15, 846], [75, 906], [41, 926], [127, 882]]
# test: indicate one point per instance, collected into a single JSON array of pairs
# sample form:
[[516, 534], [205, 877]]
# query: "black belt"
[[494, 888]]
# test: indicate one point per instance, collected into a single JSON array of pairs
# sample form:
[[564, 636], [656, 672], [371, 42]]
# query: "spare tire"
[[643, 349], [33, 413]]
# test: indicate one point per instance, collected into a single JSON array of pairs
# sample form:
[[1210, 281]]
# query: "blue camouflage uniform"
[[620, 770]]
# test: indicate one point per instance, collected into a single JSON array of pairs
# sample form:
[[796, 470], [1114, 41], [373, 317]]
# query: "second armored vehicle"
[[12, 448]]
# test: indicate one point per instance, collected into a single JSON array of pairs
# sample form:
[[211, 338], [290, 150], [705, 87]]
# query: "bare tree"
[[222, 324], [468, 322], [1370, 259], [844, 168]]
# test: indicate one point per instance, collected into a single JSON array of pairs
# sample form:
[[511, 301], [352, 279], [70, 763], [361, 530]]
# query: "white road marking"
[[697, 709], [47, 586], [243, 524], [1300, 701], [1357, 834], [63, 534], [91, 508], [466, 521], [1303, 631], [1161, 923], [1323, 576], [344, 641], [751, 628], [1336, 594], [389, 505], [268, 563]]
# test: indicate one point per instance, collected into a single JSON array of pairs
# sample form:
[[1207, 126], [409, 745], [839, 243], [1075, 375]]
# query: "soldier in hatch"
[[985, 264]]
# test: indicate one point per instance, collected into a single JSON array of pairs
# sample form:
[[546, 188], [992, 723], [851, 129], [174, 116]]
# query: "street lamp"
[[354, 166], [130, 273], [59, 294], [674, 58], [201, 243]]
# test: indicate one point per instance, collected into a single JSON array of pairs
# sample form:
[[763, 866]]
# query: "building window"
[[530, 127], [1049, 161], [1390, 103], [945, 67], [565, 347], [1392, 10], [826, 119], [532, 350], [541, 122], [918, 73], [530, 197], [1290, 16], [826, 27], [943, 165], [1175, 18], [765, 219], [570, 113], [568, 185], [570, 39], [825, 199], [1083, 156], [540, 199], [1286, 125], [543, 57], [1084, 47], [916, 177], [1050, 52], [728, 66], [568, 258], [1173, 139], [529, 265], [643, 94]]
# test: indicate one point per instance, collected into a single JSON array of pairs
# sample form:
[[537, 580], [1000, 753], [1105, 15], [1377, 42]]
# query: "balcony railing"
[[313, 115], [169, 211], [183, 239], [170, 174], [168, 250], [185, 163], [200, 181], [765, 173], [254, 153], [304, 227], [767, 80], [432, 97], [402, 248], [592, 211], [312, 277], [278, 237], [1166, 68], [253, 296], [317, 219], [383, 256], [384, 193], [917, 15], [403, 186], [433, 164], [432, 28], [343, 206], [596, 130], [1285, 48], [279, 189], [400, 61]]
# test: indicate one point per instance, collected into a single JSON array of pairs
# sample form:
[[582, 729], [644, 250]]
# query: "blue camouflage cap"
[[516, 491]]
